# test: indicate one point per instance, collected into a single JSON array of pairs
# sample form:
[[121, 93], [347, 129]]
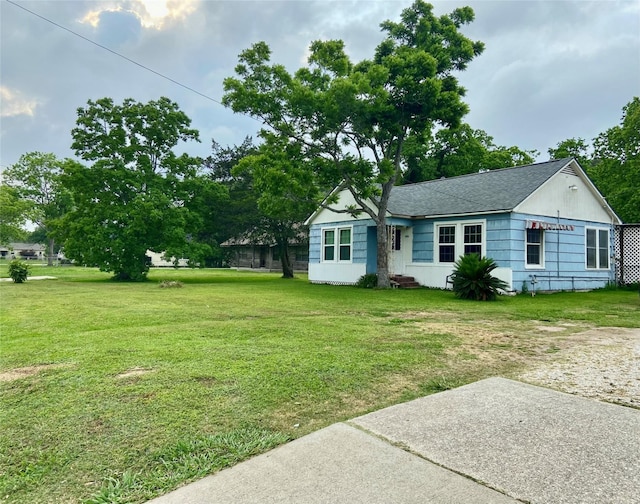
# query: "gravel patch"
[[603, 364]]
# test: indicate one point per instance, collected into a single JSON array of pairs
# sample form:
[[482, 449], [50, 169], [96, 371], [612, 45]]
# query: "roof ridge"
[[495, 170]]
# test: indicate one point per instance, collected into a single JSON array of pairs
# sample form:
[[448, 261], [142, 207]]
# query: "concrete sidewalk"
[[493, 441]]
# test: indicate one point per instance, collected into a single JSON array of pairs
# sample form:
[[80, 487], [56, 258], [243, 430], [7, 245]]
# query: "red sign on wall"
[[549, 226]]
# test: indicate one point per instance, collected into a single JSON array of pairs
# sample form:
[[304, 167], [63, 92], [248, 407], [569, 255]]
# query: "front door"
[[400, 244]]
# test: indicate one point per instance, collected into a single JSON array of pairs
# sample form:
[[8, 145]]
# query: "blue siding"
[[500, 243], [358, 239], [423, 242], [315, 242], [564, 250], [372, 250], [564, 257]]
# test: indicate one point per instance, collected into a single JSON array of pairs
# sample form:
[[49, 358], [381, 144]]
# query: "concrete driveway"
[[493, 441]]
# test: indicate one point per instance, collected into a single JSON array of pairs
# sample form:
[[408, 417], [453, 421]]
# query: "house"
[[265, 254], [546, 226], [29, 251], [158, 260]]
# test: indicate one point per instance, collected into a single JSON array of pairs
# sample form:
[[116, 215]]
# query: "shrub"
[[368, 281], [472, 278], [18, 270]]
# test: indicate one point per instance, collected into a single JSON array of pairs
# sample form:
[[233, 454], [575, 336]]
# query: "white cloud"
[[14, 103], [151, 13]]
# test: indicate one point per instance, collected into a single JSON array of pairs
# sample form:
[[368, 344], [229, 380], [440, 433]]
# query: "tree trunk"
[[285, 259], [50, 254], [383, 256]]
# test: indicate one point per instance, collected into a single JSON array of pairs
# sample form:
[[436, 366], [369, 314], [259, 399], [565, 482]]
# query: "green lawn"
[[116, 392]]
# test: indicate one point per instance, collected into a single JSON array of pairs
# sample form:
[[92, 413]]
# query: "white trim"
[[459, 238], [336, 244], [543, 233], [597, 266]]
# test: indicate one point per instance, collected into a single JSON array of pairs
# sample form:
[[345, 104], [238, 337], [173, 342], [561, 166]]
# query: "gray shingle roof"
[[492, 191]]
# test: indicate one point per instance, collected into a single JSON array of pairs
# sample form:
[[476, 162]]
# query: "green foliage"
[[36, 180], [13, 215], [138, 194], [458, 151], [18, 271], [616, 170], [472, 278], [368, 281], [572, 147], [348, 122]]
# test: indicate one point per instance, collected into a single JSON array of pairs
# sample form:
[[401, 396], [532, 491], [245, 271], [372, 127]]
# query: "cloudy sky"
[[551, 70]]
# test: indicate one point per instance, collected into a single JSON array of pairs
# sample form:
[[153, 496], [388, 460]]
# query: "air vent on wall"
[[568, 170]]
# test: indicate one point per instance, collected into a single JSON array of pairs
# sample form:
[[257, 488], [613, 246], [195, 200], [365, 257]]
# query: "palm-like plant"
[[472, 278]]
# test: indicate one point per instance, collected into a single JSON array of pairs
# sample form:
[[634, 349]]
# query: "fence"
[[627, 253]]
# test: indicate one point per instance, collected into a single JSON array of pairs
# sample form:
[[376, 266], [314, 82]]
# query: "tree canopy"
[[458, 151], [616, 169], [137, 194], [13, 215], [35, 178], [350, 121]]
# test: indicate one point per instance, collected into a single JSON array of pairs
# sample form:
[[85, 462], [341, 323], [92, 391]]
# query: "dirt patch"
[[599, 363], [602, 363], [25, 372], [136, 371]]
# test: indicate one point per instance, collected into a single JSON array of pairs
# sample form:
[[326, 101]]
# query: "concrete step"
[[404, 282]]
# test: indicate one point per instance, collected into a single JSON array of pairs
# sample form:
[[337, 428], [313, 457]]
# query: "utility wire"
[[118, 54]]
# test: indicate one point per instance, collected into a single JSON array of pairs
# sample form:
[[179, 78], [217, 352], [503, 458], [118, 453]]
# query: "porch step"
[[404, 282]]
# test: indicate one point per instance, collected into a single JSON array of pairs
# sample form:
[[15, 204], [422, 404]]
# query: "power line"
[[118, 54]]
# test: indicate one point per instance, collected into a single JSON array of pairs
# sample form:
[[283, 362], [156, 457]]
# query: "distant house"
[[263, 254], [26, 251], [546, 225], [158, 260]]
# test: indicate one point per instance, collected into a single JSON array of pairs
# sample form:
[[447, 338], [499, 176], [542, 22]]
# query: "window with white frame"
[[535, 248], [597, 248], [447, 244], [336, 244], [456, 239], [473, 239]]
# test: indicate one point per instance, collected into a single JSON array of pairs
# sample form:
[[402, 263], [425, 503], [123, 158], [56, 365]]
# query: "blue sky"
[[551, 70]]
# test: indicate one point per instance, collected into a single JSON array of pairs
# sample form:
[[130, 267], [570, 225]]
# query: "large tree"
[[616, 169], [137, 194], [236, 209], [13, 215], [459, 151], [351, 121], [285, 193], [36, 181]]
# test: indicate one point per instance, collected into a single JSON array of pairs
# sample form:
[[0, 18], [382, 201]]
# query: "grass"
[[114, 392]]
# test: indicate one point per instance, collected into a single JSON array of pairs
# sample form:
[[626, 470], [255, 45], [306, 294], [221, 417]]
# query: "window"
[[329, 244], [597, 248], [473, 239], [345, 244], [339, 249], [447, 243], [396, 239], [454, 240], [534, 247]]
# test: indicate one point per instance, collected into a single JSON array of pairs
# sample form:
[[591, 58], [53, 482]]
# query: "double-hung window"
[[535, 248], [597, 248], [447, 243], [473, 239], [336, 244], [456, 239]]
